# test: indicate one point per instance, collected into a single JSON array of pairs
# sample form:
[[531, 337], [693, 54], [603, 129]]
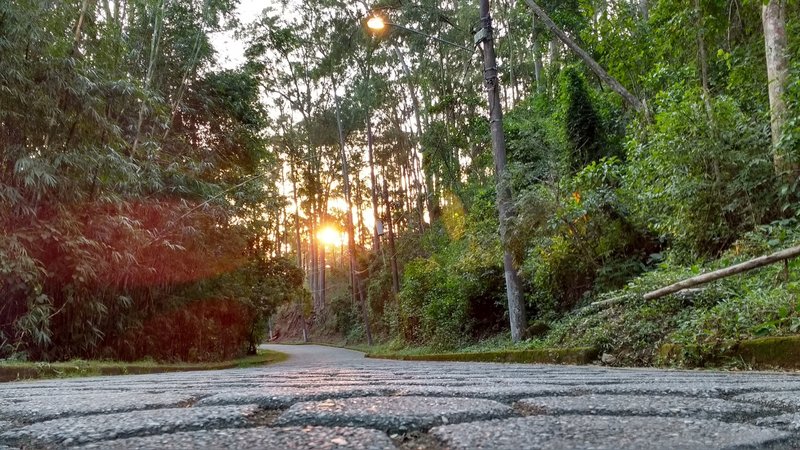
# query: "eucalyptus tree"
[[279, 48]]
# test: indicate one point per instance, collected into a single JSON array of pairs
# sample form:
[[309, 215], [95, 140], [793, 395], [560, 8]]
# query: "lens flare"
[[329, 236], [376, 23]]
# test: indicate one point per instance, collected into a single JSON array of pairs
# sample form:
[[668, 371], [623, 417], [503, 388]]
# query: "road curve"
[[316, 355], [325, 397]]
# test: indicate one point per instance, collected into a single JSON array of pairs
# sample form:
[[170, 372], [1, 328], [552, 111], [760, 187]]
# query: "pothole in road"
[[416, 440], [263, 417], [524, 409]]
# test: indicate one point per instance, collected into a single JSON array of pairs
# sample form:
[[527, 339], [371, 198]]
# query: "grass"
[[23, 370], [541, 356], [496, 349]]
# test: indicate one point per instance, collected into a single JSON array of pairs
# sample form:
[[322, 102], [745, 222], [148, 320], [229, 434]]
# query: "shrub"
[[700, 182]]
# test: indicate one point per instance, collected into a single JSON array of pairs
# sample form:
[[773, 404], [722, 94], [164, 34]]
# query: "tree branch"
[[615, 85]]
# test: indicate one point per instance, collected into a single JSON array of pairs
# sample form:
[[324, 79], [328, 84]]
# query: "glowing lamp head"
[[376, 23]]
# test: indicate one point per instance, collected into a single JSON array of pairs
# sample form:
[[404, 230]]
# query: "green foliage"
[[583, 241], [456, 294], [583, 127], [699, 182], [703, 324], [126, 158]]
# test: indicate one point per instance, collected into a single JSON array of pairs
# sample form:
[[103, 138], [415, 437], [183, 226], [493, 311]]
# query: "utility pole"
[[516, 305]]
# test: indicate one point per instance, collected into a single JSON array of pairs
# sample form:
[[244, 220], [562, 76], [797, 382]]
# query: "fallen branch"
[[609, 301], [761, 261]]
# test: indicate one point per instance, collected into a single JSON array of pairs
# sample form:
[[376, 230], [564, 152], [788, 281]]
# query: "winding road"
[[330, 398]]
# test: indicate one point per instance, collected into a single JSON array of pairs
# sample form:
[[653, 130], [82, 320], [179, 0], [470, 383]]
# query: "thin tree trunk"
[[78, 28], [703, 59], [538, 67], [322, 286], [351, 244], [376, 239], [431, 200], [298, 243], [155, 43], [362, 295], [615, 85], [407, 193], [773, 16], [755, 263], [360, 212], [187, 71], [390, 230], [644, 10]]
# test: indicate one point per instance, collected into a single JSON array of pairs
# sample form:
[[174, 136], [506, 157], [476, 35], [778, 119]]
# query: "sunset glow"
[[329, 235]]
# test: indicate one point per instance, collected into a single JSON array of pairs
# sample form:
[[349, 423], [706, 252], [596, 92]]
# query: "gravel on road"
[[330, 398]]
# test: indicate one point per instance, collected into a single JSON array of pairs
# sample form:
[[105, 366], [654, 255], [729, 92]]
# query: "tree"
[[773, 13]]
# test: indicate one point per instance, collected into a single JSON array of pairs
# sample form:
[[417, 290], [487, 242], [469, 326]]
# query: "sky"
[[230, 51]]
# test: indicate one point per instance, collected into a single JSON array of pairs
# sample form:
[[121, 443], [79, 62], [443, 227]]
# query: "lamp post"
[[485, 36]]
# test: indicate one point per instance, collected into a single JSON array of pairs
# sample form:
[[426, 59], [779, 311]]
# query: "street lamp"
[[485, 36], [376, 23]]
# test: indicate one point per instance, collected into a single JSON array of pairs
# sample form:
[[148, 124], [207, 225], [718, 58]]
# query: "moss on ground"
[[16, 370], [582, 355], [771, 352]]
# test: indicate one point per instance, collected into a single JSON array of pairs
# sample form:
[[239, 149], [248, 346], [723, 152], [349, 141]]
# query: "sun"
[[329, 235]]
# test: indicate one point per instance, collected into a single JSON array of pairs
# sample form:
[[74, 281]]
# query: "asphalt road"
[[329, 398]]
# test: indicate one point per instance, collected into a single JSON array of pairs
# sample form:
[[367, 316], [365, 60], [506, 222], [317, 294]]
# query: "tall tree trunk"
[[538, 67], [356, 288], [376, 239], [298, 242], [703, 59], [615, 85], [313, 263], [359, 212], [773, 16], [644, 10], [362, 295], [351, 244], [407, 194], [431, 199], [322, 271], [390, 230], [516, 304], [79, 27]]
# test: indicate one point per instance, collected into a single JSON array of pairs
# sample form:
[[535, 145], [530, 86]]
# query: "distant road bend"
[[330, 398]]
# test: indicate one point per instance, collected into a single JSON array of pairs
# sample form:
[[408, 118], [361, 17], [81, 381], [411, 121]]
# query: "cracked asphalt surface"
[[329, 398]]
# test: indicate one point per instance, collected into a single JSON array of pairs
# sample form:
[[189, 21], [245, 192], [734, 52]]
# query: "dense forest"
[[341, 183]]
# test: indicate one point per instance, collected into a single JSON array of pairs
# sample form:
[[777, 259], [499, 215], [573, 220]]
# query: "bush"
[[207, 330], [700, 183], [583, 241]]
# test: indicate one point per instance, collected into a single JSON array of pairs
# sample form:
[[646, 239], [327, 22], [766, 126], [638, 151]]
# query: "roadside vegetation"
[[609, 202], [132, 179], [28, 370]]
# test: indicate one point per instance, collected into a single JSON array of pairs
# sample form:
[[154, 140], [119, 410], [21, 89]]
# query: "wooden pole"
[[726, 272]]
